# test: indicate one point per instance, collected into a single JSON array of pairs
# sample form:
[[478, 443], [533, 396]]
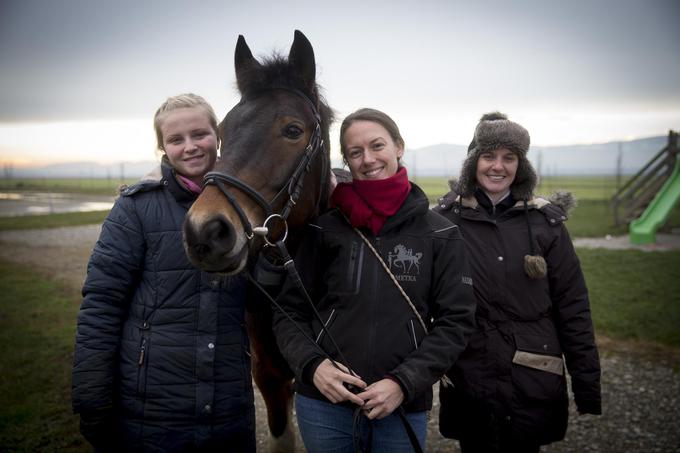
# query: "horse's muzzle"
[[210, 246]]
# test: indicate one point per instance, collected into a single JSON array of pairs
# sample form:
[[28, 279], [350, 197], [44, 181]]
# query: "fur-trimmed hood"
[[565, 200]]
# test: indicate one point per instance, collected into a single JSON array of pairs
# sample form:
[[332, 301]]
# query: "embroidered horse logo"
[[404, 258]]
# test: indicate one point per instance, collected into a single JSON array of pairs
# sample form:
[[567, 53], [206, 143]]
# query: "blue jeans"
[[327, 428]]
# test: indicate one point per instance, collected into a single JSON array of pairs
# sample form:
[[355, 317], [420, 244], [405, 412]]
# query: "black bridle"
[[292, 187]]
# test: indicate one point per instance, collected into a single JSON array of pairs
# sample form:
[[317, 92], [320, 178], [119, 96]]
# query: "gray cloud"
[[79, 59]]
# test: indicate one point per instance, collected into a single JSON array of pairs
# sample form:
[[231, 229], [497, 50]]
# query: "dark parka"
[[371, 322], [161, 348], [548, 318]]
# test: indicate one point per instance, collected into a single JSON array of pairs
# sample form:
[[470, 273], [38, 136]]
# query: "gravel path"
[[640, 382]]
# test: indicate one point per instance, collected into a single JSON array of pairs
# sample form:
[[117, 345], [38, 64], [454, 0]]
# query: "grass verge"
[[52, 220], [92, 186], [37, 331], [634, 294]]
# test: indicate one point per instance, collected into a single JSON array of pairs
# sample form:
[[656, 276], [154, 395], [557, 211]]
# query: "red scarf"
[[368, 203]]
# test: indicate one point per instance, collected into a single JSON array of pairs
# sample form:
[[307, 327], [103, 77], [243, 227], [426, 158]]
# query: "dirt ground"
[[640, 381]]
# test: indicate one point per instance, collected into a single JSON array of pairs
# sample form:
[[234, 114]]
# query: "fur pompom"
[[535, 266]]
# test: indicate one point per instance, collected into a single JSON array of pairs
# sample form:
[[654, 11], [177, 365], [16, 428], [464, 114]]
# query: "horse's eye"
[[292, 131]]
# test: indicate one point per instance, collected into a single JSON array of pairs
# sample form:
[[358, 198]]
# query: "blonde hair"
[[181, 101]]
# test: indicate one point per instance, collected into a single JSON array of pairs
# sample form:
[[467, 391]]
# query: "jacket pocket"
[[347, 280], [326, 326], [415, 333], [538, 368]]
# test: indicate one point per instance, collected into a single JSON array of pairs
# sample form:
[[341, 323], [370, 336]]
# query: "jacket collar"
[[177, 190], [533, 203]]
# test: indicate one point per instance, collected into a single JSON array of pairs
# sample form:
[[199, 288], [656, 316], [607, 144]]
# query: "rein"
[[292, 187]]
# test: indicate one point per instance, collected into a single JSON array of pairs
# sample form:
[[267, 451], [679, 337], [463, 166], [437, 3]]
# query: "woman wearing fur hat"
[[509, 390]]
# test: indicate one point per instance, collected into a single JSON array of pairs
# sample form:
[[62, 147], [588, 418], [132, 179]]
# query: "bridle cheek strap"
[[292, 187]]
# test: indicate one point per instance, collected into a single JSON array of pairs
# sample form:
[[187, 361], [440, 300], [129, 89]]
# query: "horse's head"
[[274, 159]]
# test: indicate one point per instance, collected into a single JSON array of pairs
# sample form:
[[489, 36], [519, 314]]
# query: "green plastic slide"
[[643, 229]]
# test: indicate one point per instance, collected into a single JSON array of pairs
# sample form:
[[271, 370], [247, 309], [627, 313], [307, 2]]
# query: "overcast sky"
[[81, 78]]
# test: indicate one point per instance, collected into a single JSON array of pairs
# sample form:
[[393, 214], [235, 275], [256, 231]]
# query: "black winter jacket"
[[161, 348], [371, 322], [541, 320]]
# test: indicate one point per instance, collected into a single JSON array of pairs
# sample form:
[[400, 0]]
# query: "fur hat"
[[496, 131]]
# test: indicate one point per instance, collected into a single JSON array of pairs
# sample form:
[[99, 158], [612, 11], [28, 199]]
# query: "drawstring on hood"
[[534, 265]]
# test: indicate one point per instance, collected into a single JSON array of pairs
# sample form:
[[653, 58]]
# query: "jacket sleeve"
[[112, 275], [451, 306], [574, 324], [290, 336]]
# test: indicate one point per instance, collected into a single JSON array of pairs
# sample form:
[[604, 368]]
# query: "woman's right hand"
[[331, 383]]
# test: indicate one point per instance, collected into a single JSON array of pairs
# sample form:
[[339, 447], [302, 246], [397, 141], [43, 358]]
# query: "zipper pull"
[[142, 350]]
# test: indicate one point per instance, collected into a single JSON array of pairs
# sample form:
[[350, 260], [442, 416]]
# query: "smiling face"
[[189, 141], [370, 151], [496, 171]]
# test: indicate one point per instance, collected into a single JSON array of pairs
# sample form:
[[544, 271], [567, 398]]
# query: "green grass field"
[[37, 329], [583, 187], [633, 294], [52, 220], [92, 186]]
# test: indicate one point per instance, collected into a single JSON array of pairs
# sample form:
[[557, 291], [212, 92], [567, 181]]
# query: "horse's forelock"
[[276, 71]]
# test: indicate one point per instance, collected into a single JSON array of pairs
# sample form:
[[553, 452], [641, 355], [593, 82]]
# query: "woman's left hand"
[[381, 398]]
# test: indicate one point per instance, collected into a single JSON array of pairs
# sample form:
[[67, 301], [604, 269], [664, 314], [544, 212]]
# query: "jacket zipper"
[[351, 271], [142, 352], [142, 348], [141, 378]]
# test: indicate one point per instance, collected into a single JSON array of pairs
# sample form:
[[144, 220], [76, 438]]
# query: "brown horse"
[[274, 159]]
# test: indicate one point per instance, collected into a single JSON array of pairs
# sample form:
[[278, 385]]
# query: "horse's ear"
[[301, 57], [243, 59]]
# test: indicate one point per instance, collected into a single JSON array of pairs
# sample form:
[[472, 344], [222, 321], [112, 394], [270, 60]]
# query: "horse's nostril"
[[219, 234], [201, 251]]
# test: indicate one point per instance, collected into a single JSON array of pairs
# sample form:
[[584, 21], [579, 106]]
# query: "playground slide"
[[643, 229]]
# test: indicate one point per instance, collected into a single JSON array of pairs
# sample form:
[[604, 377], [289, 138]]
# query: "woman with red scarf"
[[391, 286]]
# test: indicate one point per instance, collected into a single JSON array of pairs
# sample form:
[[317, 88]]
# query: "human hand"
[[381, 398], [331, 382]]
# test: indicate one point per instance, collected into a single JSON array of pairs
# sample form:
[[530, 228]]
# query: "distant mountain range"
[[436, 160], [596, 159]]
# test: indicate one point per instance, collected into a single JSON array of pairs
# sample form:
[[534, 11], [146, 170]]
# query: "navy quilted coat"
[[161, 345]]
